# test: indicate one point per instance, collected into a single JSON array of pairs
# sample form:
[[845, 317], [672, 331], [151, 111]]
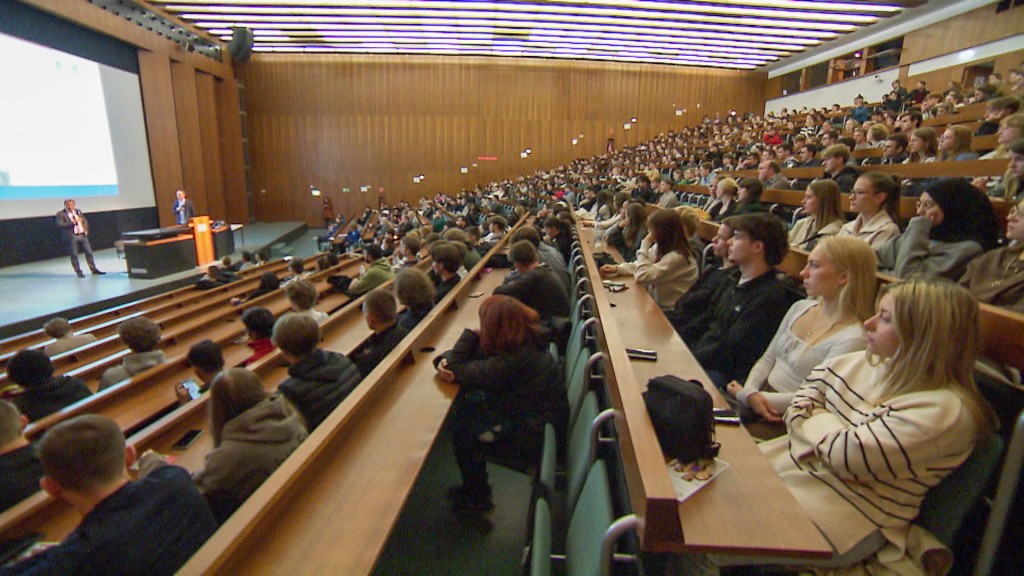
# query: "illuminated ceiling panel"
[[721, 33]]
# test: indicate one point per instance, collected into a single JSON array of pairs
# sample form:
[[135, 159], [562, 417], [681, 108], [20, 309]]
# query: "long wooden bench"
[[737, 513], [331, 506]]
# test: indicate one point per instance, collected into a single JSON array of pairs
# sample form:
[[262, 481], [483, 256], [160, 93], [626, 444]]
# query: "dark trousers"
[[80, 243], [513, 446]]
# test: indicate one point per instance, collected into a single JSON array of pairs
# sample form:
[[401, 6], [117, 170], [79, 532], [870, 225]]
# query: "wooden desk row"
[[738, 513], [965, 168]]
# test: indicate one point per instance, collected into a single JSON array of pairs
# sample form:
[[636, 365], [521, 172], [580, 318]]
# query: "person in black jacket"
[[20, 468], [744, 313], [698, 298], [559, 236], [533, 284], [415, 291], [44, 394], [318, 380], [380, 309], [509, 389]]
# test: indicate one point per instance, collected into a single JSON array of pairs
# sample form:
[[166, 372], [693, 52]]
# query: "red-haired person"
[[509, 388]]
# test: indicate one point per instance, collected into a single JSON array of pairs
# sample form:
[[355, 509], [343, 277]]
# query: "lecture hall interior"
[[360, 145]]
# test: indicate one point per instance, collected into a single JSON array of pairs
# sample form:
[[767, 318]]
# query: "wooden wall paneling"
[[209, 140], [965, 31], [349, 121], [938, 79], [162, 130], [186, 108], [232, 159]]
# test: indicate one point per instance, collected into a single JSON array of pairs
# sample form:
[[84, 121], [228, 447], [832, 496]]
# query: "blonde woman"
[[825, 215], [840, 281], [876, 200], [724, 204], [1011, 128]]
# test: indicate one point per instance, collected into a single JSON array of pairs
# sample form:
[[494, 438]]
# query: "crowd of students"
[[827, 356]]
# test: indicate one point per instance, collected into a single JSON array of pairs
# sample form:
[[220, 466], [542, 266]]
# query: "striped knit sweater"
[[857, 465]]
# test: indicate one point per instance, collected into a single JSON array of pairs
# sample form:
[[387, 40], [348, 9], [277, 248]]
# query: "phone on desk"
[[192, 388], [642, 354], [187, 439], [726, 416]]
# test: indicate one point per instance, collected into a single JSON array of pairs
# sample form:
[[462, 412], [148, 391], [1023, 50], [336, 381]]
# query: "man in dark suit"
[[76, 232], [183, 209]]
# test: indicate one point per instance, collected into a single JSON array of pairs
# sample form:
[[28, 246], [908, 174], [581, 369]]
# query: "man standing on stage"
[[183, 209], [76, 232]]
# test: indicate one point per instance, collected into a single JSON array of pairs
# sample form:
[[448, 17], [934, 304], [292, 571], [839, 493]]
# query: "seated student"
[[253, 433], [995, 112], [43, 393], [954, 223], [633, 227], [268, 283], [1011, 129], [497, 226], [547, 255], [461, 240], [533, 284], [824, 217], [302, 297], [724, 203], [318, 380], [378, 271], [664, 264], [415, 291], [876, 201], [212, 278], [923, 146], [247, 261], [834, 160], [771, 176], [862, 488], [259, 327], [141, 335], [840, 281], [955, 145], [893, 152], [558, 235], [380, 309], [748, 197], [997, 277], [666, 196], [297, 270], [509, 388], [407, 254], [743, 315], [20, 468], [691, 221], [719, 269], [444, 268], [206, 361], [1010, 188], [152, 525], [64, 337]]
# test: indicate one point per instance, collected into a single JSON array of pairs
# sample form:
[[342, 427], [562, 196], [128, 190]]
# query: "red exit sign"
[[487, 158]]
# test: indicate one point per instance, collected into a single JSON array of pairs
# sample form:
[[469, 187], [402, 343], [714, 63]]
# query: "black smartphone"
[[726, 416], [642, 354], [187, 439]]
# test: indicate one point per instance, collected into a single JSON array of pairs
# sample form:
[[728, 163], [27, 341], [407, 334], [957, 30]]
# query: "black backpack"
[[683, 416]]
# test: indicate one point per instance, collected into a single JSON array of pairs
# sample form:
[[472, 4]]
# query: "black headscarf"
[[967, 213]]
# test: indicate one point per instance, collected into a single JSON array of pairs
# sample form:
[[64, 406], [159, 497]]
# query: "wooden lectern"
[[202, 231]]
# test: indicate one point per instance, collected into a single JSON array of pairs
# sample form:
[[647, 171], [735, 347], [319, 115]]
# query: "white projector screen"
[[69, 128]]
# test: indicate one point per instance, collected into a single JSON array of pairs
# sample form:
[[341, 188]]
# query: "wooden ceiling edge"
[[99, 20], [183, 23]]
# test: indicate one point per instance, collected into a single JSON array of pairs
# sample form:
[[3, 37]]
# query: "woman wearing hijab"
[[954, 223]]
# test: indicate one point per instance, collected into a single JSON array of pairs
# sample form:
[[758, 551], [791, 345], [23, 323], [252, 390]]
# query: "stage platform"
[[32, 293]]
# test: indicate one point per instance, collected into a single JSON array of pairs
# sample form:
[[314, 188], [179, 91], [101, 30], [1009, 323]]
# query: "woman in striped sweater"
[[871, 433]]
